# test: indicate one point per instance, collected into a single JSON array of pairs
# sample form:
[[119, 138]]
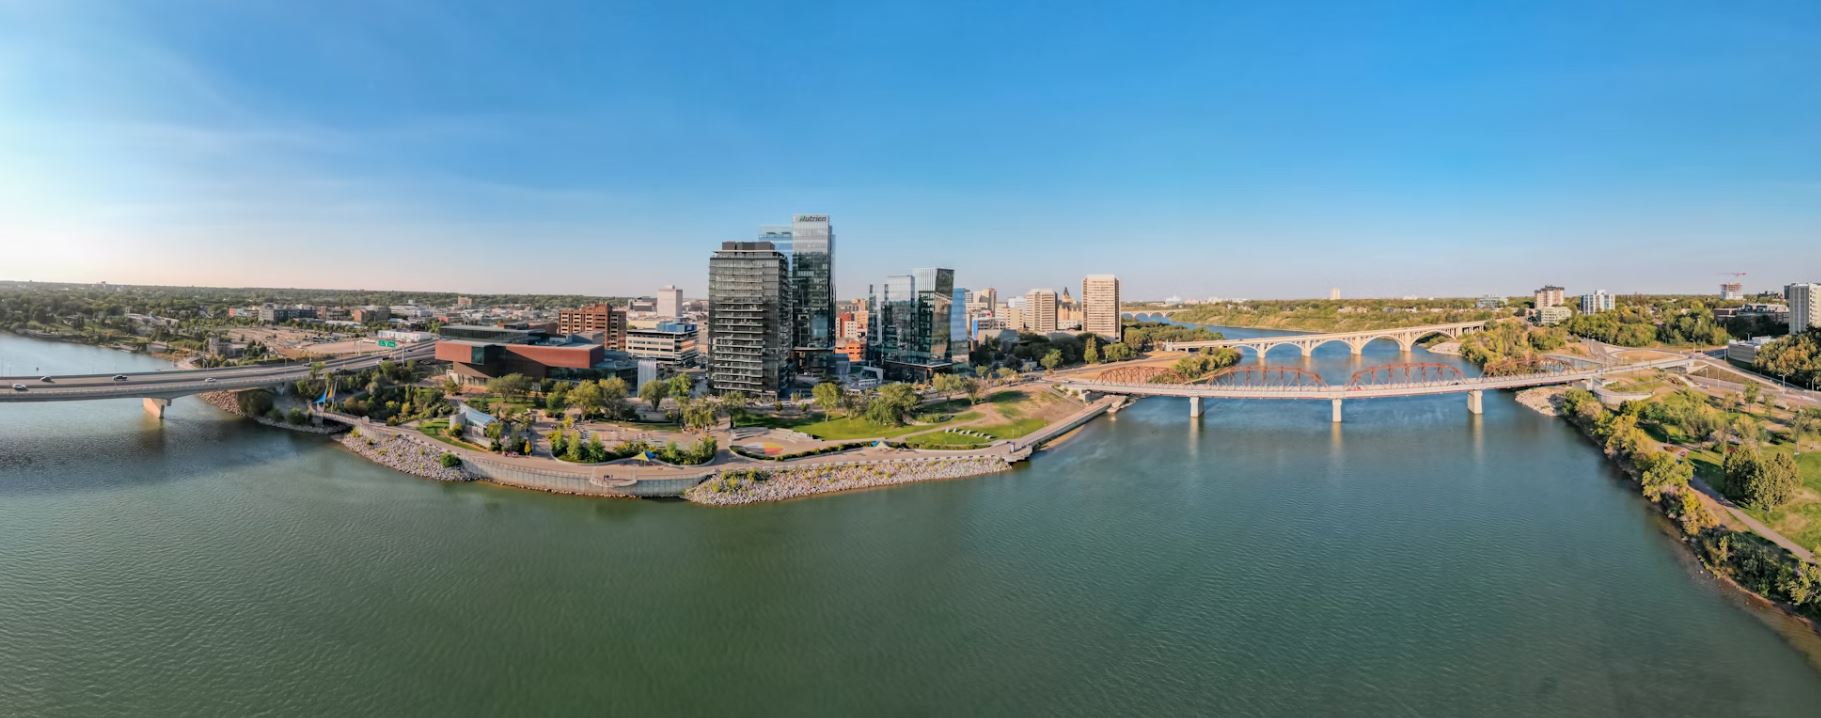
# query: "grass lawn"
[[945, 440], [1800, 519], [438, 429], [855, 427], [1011, 429]]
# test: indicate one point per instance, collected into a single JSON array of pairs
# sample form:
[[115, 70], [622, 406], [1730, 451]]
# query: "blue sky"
[[1203, 148]]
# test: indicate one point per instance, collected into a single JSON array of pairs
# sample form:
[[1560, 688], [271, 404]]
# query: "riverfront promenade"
[[627, 478]]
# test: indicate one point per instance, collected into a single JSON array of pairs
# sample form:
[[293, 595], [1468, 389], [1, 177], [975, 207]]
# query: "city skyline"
[[1284, 151]]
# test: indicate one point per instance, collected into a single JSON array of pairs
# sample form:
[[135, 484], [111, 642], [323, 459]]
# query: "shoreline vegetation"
[[1713, 530]]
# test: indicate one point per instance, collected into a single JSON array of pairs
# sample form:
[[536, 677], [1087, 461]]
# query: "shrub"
[[449, 460]]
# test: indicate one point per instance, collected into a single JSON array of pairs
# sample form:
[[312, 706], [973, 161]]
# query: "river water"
[[1413, 561]]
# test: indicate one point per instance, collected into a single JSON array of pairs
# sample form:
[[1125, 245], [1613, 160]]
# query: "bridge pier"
[[1336, 411], [1194, 407], [155, 407], [1476, 401]]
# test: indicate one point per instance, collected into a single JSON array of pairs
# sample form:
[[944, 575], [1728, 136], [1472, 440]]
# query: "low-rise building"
[[1745, 351], [1551, 315], [477, 354], [668, 343]]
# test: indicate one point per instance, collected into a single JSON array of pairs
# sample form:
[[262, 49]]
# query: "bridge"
[[1384, 381], [1406, 338], [159, 388]]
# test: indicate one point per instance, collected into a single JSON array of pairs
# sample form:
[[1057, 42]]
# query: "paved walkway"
[[1755, 525]]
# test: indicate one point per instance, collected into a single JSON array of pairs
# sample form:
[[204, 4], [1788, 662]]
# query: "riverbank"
[[757, 484], [400, 454], [226, 401], [1769, 570]]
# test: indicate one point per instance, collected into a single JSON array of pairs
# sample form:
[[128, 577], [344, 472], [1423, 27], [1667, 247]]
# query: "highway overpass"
[[158, 388]]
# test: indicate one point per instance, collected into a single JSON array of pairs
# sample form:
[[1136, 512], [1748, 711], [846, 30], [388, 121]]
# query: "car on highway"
[[209, 380], [119, 377], [46, 380], [18, 387]]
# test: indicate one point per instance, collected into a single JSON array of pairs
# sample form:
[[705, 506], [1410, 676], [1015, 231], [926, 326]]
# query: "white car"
[[46, 380], [18, 387], [209, 380]]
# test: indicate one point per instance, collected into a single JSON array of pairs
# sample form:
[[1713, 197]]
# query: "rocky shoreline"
[[789, 482], [1541, 399], [404, 455], [226, 401]]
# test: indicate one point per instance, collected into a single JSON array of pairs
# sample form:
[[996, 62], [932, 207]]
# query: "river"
[[1415, 560]]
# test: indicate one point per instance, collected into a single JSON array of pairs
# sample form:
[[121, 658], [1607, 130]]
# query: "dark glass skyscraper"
[[749, 311], [809, 245], [911, 331]]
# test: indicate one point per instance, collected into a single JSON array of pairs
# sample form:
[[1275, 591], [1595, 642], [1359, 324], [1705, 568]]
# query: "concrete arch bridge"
[[1405, 337]]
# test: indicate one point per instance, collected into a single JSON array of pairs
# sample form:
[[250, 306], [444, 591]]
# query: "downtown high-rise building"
[[1100, 306], [912, 323], [749, 319], [1040, 311], [670, 302], [808, 246], [1804, 306]]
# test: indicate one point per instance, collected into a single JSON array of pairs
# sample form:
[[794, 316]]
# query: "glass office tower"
[[809, 246], [911, 317]]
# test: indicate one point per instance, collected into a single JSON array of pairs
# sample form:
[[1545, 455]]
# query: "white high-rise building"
[[1040, 310], [1598, 301], [670, 302], [1100, 306], [1804, 306]]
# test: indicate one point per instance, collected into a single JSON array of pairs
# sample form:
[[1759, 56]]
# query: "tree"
[[556, 400], [613, 394], [1007, 374], [1090, 350], [1119, 351], [893, 405], [1760, 481], [827, 396], [681, 386], [449, 461], [697, 415], [510, 386], [653, 392], [1752, 392], [1051, 360], [735, 404], [971, 387], [586, 397]]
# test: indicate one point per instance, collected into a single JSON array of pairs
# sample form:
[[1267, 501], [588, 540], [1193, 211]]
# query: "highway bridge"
[[1392, 380], [158, 388], [1406, 338]]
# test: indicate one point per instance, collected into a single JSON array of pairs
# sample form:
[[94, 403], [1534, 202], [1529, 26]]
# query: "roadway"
[[1361, 391], [183, 382]]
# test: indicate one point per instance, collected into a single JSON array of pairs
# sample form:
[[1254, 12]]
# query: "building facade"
[[670, 303], [1804, 302], [911, 332], [1100, 306], [477, 354], [750, 325], [1596, 302], [669, 343], [1039, 312], [808, 246], [609, 320], [1549, 296]]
